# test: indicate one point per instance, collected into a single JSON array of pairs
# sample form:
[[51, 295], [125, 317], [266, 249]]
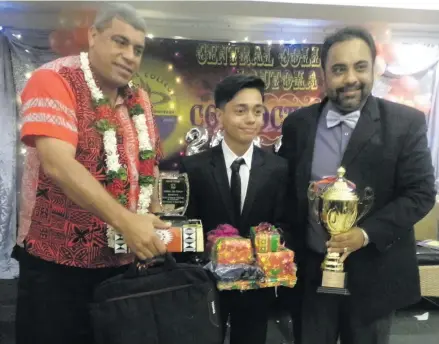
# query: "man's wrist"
[[366, 237]]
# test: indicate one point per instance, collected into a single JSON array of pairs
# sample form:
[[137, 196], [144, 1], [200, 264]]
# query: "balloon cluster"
[[405, 89], [72, 36]]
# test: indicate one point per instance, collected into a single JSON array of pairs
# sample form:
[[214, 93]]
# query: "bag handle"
[[151, 266]]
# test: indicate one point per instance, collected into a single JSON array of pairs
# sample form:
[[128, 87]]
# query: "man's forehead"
[[344, 55], [121, 28]]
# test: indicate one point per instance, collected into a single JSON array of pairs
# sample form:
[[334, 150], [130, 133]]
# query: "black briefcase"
[[171, 303]]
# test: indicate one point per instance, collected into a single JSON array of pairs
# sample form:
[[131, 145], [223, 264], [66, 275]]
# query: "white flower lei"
[[112, 157]]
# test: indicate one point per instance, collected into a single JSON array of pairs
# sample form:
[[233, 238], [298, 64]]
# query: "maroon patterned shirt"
[[56, 102]]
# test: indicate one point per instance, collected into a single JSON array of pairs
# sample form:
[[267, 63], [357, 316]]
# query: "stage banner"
[[181, 75]]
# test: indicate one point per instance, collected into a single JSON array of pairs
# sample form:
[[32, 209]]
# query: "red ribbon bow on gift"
[[220, 232]]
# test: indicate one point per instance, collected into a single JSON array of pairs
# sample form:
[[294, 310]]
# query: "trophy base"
[[334, 291], [333, 283], [176, 220]]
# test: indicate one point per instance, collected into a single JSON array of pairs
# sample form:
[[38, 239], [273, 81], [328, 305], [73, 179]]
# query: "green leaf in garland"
[[146, 180], [103, 125], [122, 174], [136, 110], [100, 102], [146, 155], [122, 199]]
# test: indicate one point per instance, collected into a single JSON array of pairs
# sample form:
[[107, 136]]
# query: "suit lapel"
[[366, 127], [307, 141], [219, 174], [254, 182]]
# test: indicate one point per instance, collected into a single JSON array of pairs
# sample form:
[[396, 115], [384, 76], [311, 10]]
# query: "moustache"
[[350, 88]]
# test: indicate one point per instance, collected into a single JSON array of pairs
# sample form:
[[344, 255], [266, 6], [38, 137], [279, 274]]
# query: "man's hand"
[[346, 243], [139, 234]]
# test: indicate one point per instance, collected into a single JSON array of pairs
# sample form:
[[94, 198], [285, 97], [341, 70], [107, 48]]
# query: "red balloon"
[[80, 36], [62, 42], [388, 53], [409, 84], [85, 17], [392, 98], [379, 48], [55, 40], [380, 65]]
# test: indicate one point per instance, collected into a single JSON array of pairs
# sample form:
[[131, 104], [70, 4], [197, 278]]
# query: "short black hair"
[[231, 85], [346, 34]]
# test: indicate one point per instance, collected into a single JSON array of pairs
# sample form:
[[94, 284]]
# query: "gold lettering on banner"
[[315, 57], [232, 55], [244, 56], [285, 79], [295, 64], [304, 57], [201, 54], [222, 55]]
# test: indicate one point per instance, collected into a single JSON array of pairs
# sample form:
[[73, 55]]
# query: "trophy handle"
[[366, 203]]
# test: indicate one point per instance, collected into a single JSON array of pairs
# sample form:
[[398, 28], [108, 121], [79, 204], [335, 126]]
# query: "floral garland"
[[116, 174]]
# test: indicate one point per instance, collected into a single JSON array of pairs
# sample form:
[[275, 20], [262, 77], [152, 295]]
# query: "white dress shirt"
[[244, 171]]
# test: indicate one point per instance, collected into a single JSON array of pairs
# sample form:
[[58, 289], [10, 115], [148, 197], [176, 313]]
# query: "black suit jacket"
[[387, 151], [210, 197]]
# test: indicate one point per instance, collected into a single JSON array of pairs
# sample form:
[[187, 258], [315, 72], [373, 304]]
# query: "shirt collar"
[[332, 107], [119, 100], [230, 157]]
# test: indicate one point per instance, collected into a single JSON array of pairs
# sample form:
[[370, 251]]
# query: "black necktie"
[[235, 186]]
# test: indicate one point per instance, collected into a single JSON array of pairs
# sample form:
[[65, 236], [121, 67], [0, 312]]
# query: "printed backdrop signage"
[[181, 76]]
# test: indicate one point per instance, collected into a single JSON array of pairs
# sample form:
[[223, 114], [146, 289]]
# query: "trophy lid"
[[340, 189]]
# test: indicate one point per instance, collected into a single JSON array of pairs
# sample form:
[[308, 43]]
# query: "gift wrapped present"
[[238, 285], [235, 272], [232, 250], [288, 281], [266, 238], [277, 264], [187, 237], [222, 231]]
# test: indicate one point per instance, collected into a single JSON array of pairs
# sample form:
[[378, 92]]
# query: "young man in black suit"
[[239, 184], [382, 145]]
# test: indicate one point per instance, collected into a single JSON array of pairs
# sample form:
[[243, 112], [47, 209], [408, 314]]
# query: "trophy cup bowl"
[[335, 203]]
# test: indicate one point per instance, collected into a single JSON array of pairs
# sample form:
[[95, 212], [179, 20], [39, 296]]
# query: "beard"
[[349, 103]]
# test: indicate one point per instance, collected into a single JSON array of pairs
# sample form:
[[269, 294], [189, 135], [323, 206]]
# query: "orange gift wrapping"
[[237, 285], [266, 238], [187, 238], [289, 282], [277, 264], [232, 250]]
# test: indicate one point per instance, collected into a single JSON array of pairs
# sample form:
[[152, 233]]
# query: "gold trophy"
[[336, 204], [185, 235]]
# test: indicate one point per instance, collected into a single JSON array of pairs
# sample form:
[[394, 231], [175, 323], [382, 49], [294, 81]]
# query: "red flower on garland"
[[104, 112], [146, 168], [116, 188], [132, 99]]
